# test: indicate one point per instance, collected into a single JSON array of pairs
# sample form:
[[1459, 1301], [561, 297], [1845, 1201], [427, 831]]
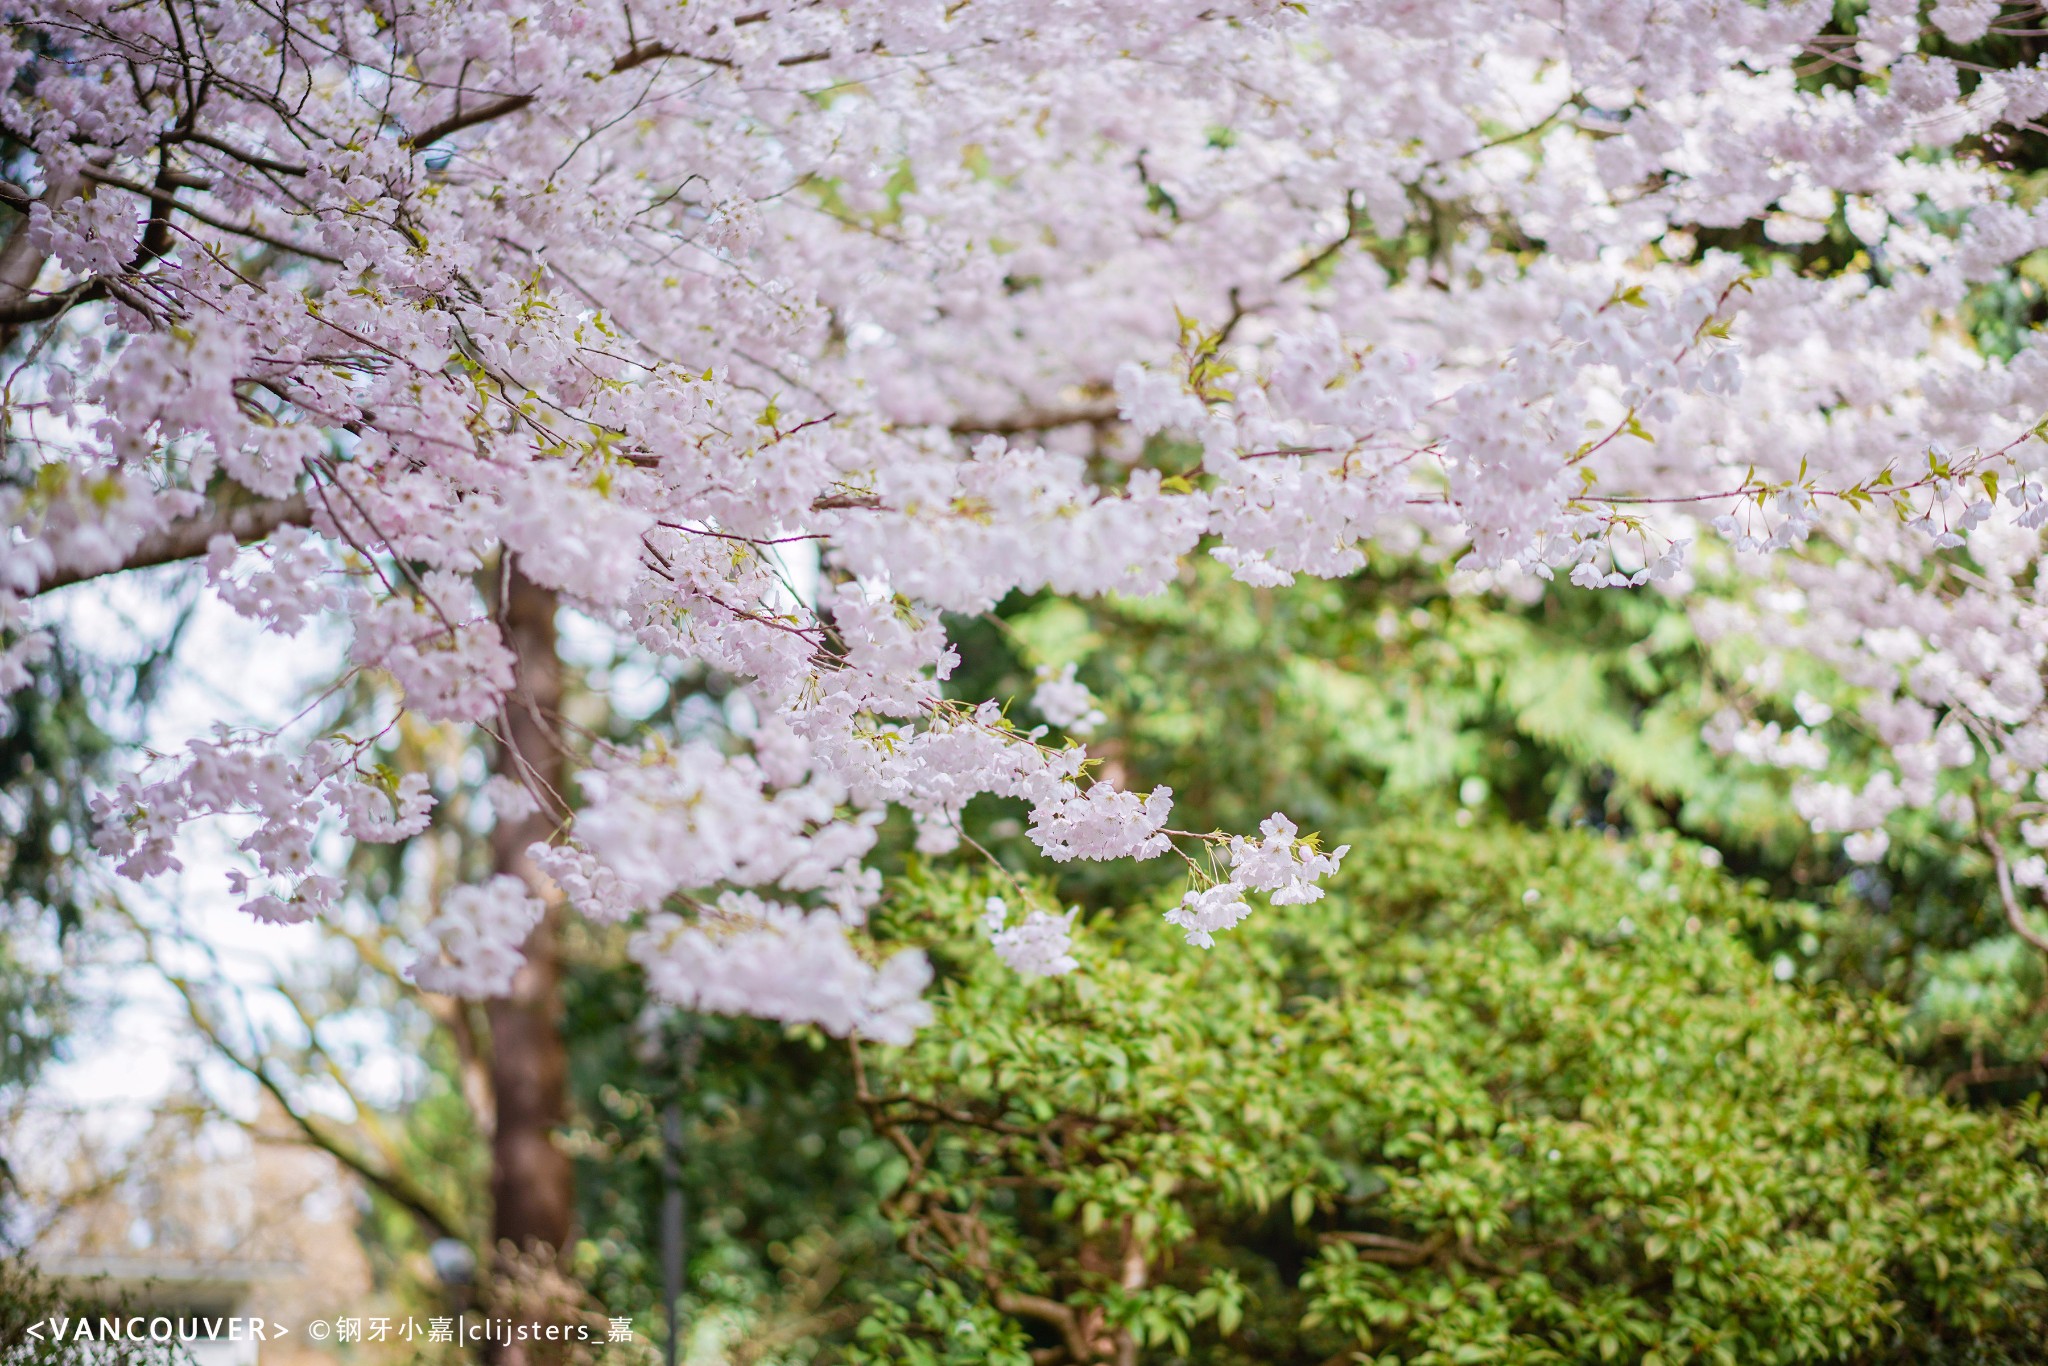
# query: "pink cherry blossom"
[[371, 305]]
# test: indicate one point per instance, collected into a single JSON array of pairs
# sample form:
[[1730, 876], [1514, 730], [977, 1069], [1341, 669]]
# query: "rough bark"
[[532, 1186]]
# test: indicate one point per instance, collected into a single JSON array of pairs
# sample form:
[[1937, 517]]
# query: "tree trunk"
[[532, 1185], [20, 263]]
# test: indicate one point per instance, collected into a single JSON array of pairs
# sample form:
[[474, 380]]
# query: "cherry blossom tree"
[[765, 336]]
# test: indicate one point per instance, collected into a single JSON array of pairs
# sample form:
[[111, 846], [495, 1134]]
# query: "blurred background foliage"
[[56, 748], [1425, 724]]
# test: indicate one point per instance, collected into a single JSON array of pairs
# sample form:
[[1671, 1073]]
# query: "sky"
[[132, 1043]]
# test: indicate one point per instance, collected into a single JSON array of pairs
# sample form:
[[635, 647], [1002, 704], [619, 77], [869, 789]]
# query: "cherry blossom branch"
[[512, 104], [255, 160], [170, 199], [187, 539]]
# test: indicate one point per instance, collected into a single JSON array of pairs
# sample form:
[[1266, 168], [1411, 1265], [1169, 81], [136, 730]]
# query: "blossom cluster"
[[286, 797], [471, 947], [1280, 864], [749, 956], [1040, 946], [1043, 297]]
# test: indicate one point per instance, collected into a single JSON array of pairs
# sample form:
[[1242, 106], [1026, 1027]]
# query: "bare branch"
[[222, 145], [1048, 1311], [2015, 914], [469, 118], [1389, 1251], [394, 1184], [1037, 420]]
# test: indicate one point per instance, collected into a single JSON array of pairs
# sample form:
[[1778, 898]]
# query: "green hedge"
[[1499, 1098]]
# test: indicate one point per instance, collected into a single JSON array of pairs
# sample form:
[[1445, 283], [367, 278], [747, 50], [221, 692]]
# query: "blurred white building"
[[212, 1226]]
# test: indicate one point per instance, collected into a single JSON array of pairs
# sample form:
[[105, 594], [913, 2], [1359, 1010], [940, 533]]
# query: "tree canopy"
[[1119, 509]]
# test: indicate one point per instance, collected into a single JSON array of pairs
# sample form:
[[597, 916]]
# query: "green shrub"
[[1499, 1098]]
